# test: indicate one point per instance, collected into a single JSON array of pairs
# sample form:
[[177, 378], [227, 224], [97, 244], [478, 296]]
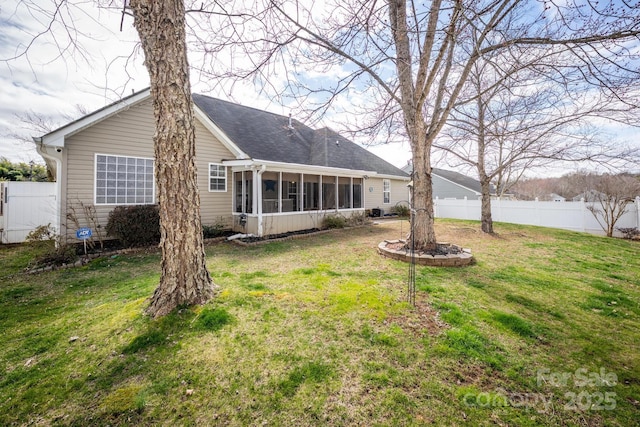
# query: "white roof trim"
[[218, 133], [57, 137], [298, 167], [381, 175]]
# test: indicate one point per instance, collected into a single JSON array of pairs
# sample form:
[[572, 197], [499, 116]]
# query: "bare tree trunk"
[[485, 217], [485, 182], [424, 236], [184, 279]]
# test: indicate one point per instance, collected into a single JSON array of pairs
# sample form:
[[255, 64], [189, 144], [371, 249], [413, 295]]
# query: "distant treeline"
[[10, 171]]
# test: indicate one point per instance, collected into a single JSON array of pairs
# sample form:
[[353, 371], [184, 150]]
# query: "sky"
[[58, 80], [105, 65]]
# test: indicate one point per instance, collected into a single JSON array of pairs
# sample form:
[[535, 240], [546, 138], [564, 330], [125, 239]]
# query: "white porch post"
[[320, 195], [351, 191], [280, 192], [335, 186], [301, 193], [257, 185]]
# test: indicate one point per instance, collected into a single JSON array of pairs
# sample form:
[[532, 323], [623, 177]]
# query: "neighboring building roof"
[[460, 179], [455, 177], [268, 136]]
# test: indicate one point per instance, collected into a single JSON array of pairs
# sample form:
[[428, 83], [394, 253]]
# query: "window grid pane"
[[386, 191], [217, 177], [124, 180]]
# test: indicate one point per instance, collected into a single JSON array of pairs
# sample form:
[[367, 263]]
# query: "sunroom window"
[[311, 192], [344, 193], [357, 193], [328, 192], [243, 191]]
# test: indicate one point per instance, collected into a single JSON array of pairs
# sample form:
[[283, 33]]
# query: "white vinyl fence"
[[566, 215], [25, 206]]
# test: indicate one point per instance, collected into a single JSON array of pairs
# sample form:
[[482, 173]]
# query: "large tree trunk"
[[423, 236], [485, 216], [184, 279]]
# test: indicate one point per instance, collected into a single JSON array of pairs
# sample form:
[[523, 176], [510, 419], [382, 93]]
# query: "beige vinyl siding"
[[445, 189], [283, 223], [130, 134], [276, 224], [374, 199], [215, 207]]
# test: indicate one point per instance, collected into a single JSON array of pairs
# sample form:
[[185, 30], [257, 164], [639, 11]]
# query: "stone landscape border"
[[460, 259]]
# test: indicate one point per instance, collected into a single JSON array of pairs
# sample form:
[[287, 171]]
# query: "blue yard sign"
[[83, 233]]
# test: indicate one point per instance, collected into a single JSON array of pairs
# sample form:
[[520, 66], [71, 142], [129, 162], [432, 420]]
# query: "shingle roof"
[[455, 177], [267, 136], [460, 179]]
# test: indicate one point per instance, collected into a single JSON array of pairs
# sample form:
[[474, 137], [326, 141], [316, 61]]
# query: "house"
[[258, 172], [452, 185], [557, 198]]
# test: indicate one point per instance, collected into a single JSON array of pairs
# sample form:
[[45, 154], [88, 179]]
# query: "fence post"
[[435, 207], [638, 212], [583, 204]]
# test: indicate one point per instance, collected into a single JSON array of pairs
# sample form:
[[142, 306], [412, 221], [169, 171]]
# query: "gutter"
[[50, 159]]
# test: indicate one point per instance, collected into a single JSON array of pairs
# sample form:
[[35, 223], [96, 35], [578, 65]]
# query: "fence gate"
[[25, 206]]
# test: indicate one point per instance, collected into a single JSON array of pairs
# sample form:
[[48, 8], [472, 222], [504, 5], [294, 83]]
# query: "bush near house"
[[135, 225], [401, 210], [334, 221]]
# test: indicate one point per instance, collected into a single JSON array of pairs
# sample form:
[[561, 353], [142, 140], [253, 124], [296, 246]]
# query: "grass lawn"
[[543, 330]]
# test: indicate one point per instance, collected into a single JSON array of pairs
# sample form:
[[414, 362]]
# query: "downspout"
[[259, 197], [42, 150]]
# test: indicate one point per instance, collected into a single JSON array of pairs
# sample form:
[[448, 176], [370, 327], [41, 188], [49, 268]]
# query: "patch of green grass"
[[476, 283], [310, 372], [469, 343], [213, 319], [317, 331], [380, 374], [532, 305], [514, 323], [144, 341], [451, 313], [125, 399], [378, 338]]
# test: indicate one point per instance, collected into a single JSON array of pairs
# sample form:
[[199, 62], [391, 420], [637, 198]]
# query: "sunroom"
[[273, 198]]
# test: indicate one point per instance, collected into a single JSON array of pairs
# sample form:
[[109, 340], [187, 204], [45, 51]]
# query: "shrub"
[[56, 255], [54, 251], [214, 230], [401, 210], [358, 218], [40, 233], [629, 233], [135, 225], [334, 221]]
